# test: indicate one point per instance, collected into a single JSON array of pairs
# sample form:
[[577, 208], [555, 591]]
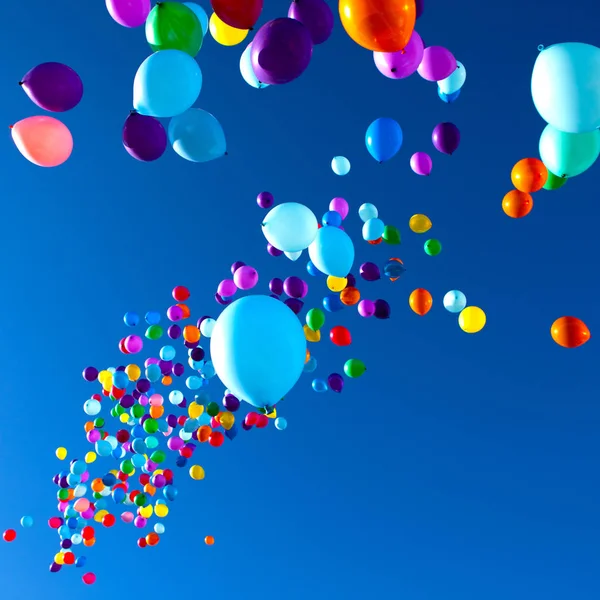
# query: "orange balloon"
[[185, 309], [420, 301], [307, 356], [191, 334], [156, 412], [517, 204], [167, 380], [204, 433], [209, 540], [44, 141], [350, 296], [379, 25], [570, 332], [152, 539], [529, 175]]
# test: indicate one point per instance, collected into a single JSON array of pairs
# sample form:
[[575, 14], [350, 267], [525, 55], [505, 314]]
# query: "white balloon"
[[247, 70]]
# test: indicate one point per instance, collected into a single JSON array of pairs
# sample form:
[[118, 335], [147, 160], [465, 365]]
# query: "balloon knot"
[[10, 126], [21, 82], [133, 112], [393, 70], [226, 153], [540, 47]]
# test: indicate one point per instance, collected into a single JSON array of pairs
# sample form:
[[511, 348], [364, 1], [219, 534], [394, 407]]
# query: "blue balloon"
[[448, 98], [383, 139], [332, 252], [247, 70], [27, 522], [331, 218], [454, 301], [170, 492], [373, 229], [332, 303], [197, 136], [564, 86], [200, 13], [454, 82], [319, 385], [290, 227], [166, 84], [131, 319], [120, 380], [340, 165], [310, 365], [258, 349], [312, 270], [569, 154], [152, 317], [280, 423], [367, 211]]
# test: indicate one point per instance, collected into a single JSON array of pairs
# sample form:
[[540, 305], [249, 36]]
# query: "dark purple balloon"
[[295, 304], [90, 373], [222, 300], [351, 280], [335, 382], [265, 200], [174, 331], [127, 401], [53, 86], [142, 385], [236, 265], [55, 567], [172, 421], [370, 271], [274, 251], [190, 345], [281, 51], [419, 6], [198, 354], [294, 287], [446, 138], [246, 427], [231, 403], [166, 366], [178, 370], [276, 286], [316, 16], [382, 309], [144, 137]]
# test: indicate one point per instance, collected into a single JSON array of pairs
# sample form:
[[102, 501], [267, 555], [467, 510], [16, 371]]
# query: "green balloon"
[[140, 500], [150, 425], [174, 26], [154, 332], [137, 412], [554, 182], [98, 422], [354, 367], [315, 318], [158, 456], [63, 494], [433, 247], [391, 235], [127, 467], [212, 408], [569, 154]]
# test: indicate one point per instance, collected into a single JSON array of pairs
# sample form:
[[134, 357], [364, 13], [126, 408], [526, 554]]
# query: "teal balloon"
[[200, 13], [166, 84], [340, 165], [332, 251], [290, 227], [569, 154], [454, 82], [383, 139], [258, 349], [197, 136], [565, 86], [373, 229], [247, 70]]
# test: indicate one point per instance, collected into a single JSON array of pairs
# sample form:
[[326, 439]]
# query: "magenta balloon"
[[246, 277], [316, 16], [366, 308], [133, 344], [437, 64], [227, 288], [53, 86], [340, 206], [421, 163], [401, 64], [129, 13], [144, 137], [281, 51], [446, 137]]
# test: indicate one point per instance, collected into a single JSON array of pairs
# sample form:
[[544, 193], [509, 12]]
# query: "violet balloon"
[[281, 51], [401, 64], [316, 16], [446, 137], [366, 308], [340, 206], [265, 200], [437, 64], [335, 382], [227, 288], [421, 163], [294, 287], [419, 8], [53, 86], [274, 251], [276, 286], [382, 309], [370, 271], [144, 137]]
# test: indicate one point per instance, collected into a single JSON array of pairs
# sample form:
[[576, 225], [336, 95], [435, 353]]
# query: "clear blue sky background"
[[460, 467]]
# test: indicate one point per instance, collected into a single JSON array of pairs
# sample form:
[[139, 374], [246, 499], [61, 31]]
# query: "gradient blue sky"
[[460, 467]]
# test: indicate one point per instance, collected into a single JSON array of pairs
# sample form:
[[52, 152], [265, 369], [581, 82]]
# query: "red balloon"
[[216, 439], [180, 293], [262, 421], [10, 535], [108, 520], [241, 14], [340, 336], [89, 578]]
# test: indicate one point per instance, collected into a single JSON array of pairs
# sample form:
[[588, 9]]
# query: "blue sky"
[[458, 466]]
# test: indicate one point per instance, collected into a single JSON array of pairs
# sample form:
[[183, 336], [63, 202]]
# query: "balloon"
[[367, 211], [382, 309], [354, 368], [332, 219], [553, 182], [419, 8], [258, 349], [27, 522], [200, 14], [401, 64], [174, 26], [517, 204], [379, 25], [432, 247], [10, 535], [383, 139], [437, 64], [332, 303], [529, 175], [454, 301], [420, 301], [340, 336], [315, 318], [166, 84], [420, 223], [241, 14], [291, 227], [246, 277], [446, 138], [448, 98], [569, 154], [336, 284], [391, 235], [565, 87], [340, 206], [335, 382], [44, 141], [332, 251], [316, 16], [129, 13], [454, 82], [61, 453], [570, 332], [340, 165], [293, 256], [144, 137], [197, 136], [225, 34], [320, 386], [247, 70], [421, 163], [370, 271], [373, 229], [265, 199], [53, 86], [280, 423], [281, 51], [366, 308], [472, 319]]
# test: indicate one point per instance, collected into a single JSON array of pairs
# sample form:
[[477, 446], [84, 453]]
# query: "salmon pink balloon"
[[44, 141], [129, 13]]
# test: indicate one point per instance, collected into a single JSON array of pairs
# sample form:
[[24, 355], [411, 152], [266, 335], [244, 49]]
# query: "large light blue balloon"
[[340, 165], [258, 349], [197, 136], [568, 154], [383, 139], [332, 252], [247, 70], [166, 84], [290, 227], [200, 13], [454, 82], [565, 86]]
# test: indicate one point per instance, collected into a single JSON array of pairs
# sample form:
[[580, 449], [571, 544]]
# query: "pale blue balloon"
[[318, 385], [197, 136], [454, 82], [166, 84], [448, 98], [167, 353], [258, 349], [373, 229], [565, 86], [293, 256], [120, 380], [280, 423], [454, 301], [208, 370], [340, 165], [247, 70], [290, 227], [200, 13], [310, 365], [103, 448], [92, 407], [383, 139], [568, 154], [367, 211], [332, 252]]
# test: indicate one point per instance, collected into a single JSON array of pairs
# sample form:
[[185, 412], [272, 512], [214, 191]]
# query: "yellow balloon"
[[104, 376], [195, 410], [133, 372], [59, 558], [420, 223], [472, 319], [272, 415], [336, 284], [196, 472], [146, 511], [61, 453], [124, 418], [90, 457], [225, 34], [161, 510], [100, 515], [310, 335]]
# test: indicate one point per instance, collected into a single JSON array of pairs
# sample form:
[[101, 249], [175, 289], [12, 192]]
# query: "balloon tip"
[[10, 126], [21, 82]]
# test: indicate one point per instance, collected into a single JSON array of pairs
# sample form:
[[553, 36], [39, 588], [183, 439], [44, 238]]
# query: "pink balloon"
[[227, 288], [421, 163], [401, 64], [437, 64], [127, 517], [129, 13], [133, 344], [44, 141], [366, 308], [340, 206], [246, 277]]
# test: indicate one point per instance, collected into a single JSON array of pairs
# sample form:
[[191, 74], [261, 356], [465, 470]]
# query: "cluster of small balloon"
[[43, 140]]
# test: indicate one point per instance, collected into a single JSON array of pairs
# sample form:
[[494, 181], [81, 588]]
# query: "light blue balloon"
[[565, 86], [454, 82], [208, 370], [193, 382], [332, 252], [258, 349], [568, 154], [383, 139], [78, 467], [120, 380], [27, 522], [454, 301], [175, 397], [448, 98], [166, 84], [280, 423], [151, 442], [318, 385], [247, 70], [200, 13], [197, 136], [159, 528], [138, 461], [373, 229], [92, 407], [167, 353], [139, 446], [153, 373], [367, 211], [103, 448], [340, 165], [290, 227], [293, 256], [310, 365]]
